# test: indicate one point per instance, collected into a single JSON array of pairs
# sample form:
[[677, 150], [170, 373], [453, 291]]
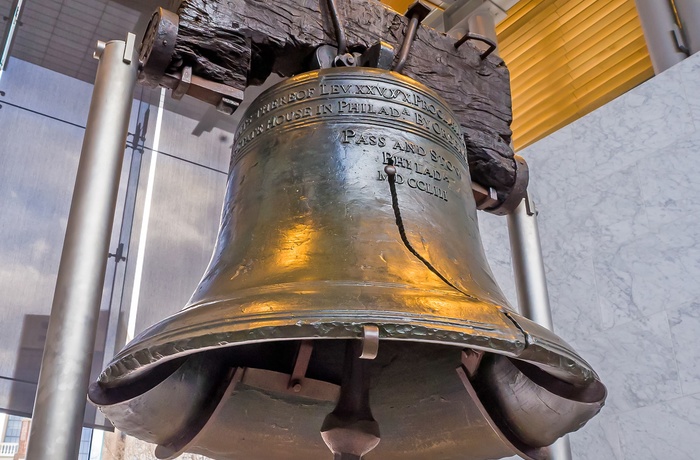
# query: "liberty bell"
[[348, 305]]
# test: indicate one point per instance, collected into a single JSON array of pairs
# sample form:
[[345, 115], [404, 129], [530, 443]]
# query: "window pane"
[[13, 429]]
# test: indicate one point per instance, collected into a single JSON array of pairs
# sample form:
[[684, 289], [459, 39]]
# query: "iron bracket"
[[155, 68], [157, 47], [118, 254], [517, 193], [379, 56], [225, 98], [480, 38]]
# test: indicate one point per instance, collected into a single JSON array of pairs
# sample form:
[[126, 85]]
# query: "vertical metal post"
[[689, 14], [661, 32], [65, 369], [16, 12], [531, 284]]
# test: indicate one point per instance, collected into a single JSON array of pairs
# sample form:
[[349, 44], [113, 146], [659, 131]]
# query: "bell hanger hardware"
[[159, 66], [357, 296]]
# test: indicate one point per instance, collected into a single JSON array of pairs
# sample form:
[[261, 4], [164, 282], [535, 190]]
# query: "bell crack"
[[526, 336], [390, 171]]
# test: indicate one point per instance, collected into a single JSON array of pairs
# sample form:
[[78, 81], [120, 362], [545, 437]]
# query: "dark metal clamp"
[[156, 68], [480, 38]]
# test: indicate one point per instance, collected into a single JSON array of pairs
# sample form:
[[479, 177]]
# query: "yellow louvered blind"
[[567, 58]]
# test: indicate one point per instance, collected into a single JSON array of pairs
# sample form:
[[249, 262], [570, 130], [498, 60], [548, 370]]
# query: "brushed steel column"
[[531, 284], [8, 38], [689, 14], [661, 33], [65, 369]]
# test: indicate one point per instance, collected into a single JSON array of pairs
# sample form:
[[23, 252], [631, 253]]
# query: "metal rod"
[[661, 33], [10, 34], [65, 369], [339, 32], [407, 42], [689, 14], [528, 267], [531, 283]]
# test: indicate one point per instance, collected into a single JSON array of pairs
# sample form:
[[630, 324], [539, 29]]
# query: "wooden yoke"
[[226, 45]]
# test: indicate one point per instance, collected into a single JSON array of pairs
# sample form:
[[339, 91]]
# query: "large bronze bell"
[[349, 294]]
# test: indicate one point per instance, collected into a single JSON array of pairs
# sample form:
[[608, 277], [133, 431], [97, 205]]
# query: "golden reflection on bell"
[[349, 229]]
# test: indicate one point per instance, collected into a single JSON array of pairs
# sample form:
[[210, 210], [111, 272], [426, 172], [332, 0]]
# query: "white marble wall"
[[619, 198]]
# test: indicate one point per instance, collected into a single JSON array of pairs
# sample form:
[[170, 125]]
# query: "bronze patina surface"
[[313, 246]]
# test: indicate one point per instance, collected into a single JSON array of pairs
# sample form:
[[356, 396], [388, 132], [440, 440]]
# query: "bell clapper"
[[350, 431]]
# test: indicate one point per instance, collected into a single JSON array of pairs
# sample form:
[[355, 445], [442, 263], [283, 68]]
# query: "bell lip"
[[214, 324]]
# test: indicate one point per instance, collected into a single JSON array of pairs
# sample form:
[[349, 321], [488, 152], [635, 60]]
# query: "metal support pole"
[[689, 14], [531, 284], [65, 369], [661, 32], [16, 12]]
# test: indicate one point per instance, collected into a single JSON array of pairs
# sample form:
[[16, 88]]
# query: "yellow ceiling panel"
[[567, 58], [399, 6]]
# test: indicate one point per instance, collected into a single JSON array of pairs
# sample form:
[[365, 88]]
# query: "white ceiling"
[[61, 34]]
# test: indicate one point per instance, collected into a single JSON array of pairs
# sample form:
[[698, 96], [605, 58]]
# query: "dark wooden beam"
[[241, 42]]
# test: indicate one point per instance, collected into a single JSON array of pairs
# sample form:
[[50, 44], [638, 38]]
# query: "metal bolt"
[[344, 60], [390, 169]]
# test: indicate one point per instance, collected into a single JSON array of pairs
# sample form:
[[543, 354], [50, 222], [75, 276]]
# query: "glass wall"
[[167, 216]]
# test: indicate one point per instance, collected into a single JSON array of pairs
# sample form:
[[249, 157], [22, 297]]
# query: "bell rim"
[[508, 334]]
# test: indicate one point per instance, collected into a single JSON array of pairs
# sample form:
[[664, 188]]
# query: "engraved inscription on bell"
[[398, 113]]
